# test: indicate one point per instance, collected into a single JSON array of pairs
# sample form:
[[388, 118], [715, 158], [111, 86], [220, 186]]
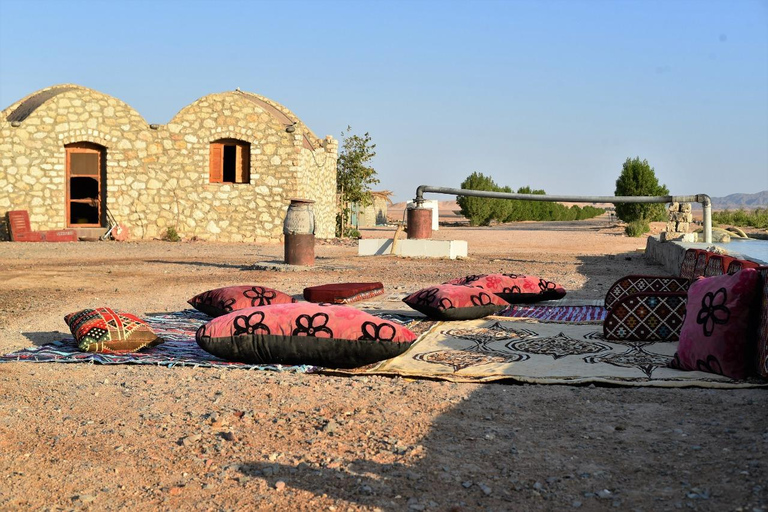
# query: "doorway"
[[86, 185]]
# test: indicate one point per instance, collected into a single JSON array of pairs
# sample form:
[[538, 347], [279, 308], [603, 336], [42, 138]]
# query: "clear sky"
[[551, 94]]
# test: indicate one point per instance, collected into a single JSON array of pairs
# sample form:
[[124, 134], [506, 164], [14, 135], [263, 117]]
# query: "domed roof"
[[278, 112], [22, 109]]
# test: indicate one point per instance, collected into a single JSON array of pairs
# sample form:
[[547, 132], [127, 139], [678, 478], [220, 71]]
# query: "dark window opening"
[[83, 213], [83, 188], [229, 164], [230, 161]]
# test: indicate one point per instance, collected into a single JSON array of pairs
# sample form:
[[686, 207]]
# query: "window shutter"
[[244, 161], [217, 164]]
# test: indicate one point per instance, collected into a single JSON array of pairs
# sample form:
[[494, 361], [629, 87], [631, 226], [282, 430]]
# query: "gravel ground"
[[152, 438]]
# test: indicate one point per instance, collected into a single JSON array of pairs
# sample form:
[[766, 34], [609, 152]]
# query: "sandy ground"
[[152, 438]]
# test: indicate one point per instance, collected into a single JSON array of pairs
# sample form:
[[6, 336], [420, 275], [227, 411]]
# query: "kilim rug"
[[575, 314], [180, 348], [542, 353]]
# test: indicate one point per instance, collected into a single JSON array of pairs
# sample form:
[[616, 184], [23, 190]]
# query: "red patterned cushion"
[[304, 333], [107, 330], [232, 298], [342, 293], [762, 330], [717, 334], [514, 288], [455, 302]]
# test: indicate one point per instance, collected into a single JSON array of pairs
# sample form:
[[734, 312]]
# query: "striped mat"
[[568, 314]]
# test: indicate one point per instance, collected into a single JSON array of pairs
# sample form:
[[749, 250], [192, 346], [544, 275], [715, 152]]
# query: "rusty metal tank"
[[419, 223]]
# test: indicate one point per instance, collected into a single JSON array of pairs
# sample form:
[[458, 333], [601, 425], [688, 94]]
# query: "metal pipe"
[[704, 199]]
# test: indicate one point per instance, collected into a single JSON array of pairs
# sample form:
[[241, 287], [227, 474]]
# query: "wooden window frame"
[[242, 162], [100, 151]]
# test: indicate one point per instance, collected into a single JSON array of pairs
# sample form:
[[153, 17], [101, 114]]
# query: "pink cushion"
[[718, 334], [762, 329], [514, 288], [304, 333], [342, 293], [232, 298], [455, 302]]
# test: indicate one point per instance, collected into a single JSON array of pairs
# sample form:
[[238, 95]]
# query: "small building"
[[224, 168], [375, 214]]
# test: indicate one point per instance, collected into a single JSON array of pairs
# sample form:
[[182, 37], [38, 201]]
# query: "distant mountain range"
[[736, 201]]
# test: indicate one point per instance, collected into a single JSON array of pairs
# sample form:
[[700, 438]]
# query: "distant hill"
[[736, 201]]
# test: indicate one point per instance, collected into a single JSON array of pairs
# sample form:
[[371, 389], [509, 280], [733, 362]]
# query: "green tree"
[[354, 175], [479, 210], [639, 179]]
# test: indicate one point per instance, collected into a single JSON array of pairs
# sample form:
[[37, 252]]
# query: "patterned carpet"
[[180, 349], [542, 353], [570, 314]]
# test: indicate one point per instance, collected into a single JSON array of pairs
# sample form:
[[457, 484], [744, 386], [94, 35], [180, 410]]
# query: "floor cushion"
[[718, 330], [762, 329], [327, 335], [514, 288], [231, 298], [455, 302], [342, 293], [107, 330]]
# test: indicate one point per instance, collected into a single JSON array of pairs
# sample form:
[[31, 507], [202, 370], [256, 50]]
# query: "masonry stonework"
[[158, 177]]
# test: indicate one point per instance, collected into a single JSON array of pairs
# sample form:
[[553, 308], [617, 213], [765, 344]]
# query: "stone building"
[[375, 214], [224, 168]]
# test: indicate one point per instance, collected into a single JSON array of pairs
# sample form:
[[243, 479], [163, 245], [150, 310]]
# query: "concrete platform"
[[671, 254], [451, 249]]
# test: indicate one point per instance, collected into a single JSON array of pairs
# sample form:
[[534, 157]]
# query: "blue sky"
[[551, 94]]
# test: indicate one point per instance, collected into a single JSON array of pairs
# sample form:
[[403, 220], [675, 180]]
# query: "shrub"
[[637, 228], [171, 235], [639, 179]]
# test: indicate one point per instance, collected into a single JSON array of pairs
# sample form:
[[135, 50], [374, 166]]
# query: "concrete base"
[[414, 248]]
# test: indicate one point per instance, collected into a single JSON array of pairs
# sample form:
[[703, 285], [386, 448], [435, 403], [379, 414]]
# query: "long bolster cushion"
[[327, 335]]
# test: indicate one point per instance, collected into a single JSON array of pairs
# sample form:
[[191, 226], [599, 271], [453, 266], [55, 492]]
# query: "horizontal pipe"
[[704, 199]]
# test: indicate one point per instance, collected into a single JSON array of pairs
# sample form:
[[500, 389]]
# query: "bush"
[[757, 218], [479, 210], [171, 235], [639, 179], [637, 228]]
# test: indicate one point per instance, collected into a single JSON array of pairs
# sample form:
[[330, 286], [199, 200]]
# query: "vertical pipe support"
[[706, 204]]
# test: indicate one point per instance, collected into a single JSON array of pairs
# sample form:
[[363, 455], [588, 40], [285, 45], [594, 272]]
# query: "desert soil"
[[76, 436]]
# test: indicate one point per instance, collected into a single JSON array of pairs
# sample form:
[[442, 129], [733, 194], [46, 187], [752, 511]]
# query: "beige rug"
[[497, 348]]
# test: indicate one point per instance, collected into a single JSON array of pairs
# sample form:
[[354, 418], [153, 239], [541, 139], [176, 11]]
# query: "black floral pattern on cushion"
[[711, 365], [314, 326], [227, 305], [513, 276], [514, 289], [260, 296], [426, 297], [547, 286], [380, 332], [713, 311], [482, 299], [250, 324], [445, 303]]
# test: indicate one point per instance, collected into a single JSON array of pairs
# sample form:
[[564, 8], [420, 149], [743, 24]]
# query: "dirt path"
[[149, 438]]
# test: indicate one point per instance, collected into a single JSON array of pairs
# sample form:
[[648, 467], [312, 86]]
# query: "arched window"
[[230, 161]]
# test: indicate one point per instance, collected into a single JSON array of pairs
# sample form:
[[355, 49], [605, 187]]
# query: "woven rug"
[[180, 349], [542, 353], [574, 314]]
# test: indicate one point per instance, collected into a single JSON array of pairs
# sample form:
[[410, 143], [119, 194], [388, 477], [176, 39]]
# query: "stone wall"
[[158, 176], [680, 216]]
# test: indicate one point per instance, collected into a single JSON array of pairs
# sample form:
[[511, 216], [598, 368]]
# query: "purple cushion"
[[718, 330]]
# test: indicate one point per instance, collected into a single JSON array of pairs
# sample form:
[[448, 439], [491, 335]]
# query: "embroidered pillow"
[[107, 330], [718, 334], [455, 302], [304, 333], [514, 288], [342, 293], [232, 298]]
